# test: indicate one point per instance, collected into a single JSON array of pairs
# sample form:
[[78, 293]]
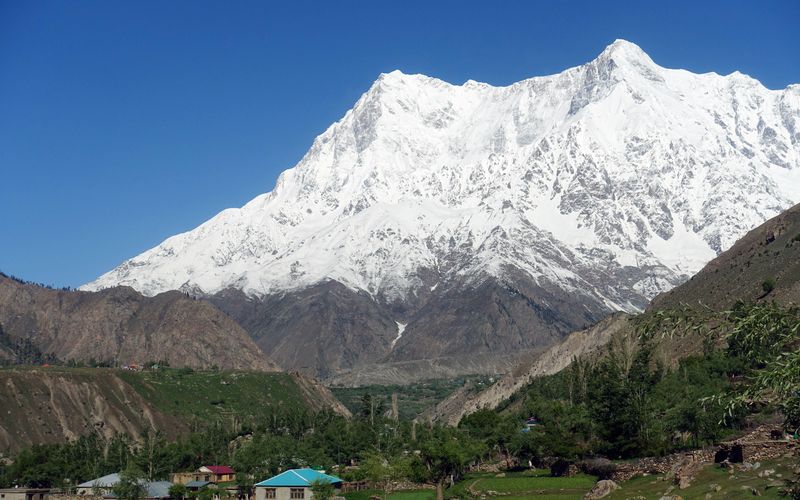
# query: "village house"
[[530, 424], [101, 485], [215, 474], [23, 494], [104, 486], [293, 484], [218, 492], [197, 485]]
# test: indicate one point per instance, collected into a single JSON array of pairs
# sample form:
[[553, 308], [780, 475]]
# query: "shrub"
[[768, 285]]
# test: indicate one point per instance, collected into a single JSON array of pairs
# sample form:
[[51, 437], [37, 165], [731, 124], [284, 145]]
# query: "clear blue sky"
[[122, 123]]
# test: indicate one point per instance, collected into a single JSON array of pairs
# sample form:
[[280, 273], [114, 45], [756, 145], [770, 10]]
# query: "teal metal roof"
[[298, 478]]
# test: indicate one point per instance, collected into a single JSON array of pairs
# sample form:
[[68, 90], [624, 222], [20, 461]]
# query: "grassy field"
[[400, 495], [740, 484], [411, 399], [210, 395], [528, 484], [712, 480]]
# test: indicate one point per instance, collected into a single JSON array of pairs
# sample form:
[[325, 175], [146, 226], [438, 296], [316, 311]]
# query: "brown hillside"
[[122, 326], [54, 405], [770, 251], [588, 342]]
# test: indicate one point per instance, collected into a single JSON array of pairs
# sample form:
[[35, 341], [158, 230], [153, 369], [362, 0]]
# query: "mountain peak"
[[514, 213], [626, 54], [614, 161], [624, 48], [392, 75]]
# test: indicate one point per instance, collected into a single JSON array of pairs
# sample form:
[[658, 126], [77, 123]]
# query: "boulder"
[[602, 489]]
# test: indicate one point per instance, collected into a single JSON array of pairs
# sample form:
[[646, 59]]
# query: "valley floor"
[[765, 479]]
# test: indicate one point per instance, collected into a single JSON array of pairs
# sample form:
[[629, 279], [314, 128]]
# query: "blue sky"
[[123, 123]]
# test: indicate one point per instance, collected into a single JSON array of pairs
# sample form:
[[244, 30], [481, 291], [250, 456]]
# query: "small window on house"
[[297, 493], [271, 493]]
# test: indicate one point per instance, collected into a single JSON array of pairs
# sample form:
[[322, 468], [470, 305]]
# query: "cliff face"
[[122, 326], [54, 405], [345, 337]]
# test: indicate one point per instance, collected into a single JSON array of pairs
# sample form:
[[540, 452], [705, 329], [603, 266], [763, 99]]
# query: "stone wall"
[[756, 446]]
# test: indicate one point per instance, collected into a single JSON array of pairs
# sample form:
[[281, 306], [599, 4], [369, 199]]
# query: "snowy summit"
[[614, 180]]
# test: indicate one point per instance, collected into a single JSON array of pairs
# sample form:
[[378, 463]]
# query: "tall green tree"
[[384, 472], [130, 485], [446, 454], [178, 491], [322, 490]]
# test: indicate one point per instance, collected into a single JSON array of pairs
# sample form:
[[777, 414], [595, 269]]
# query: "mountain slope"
[[50, 405], [771, 250], [769, 253], [121, 326], [583, 343], [578, 194]]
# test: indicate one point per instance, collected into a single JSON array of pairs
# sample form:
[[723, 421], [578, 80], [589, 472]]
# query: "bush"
[[768, 285]]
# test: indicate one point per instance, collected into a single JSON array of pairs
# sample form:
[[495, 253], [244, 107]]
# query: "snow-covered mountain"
[[609, 182]]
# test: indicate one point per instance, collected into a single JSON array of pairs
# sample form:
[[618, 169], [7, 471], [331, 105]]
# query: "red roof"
[[220, 469]]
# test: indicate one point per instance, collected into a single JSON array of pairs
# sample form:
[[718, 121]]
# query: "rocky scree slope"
[[541, 206]]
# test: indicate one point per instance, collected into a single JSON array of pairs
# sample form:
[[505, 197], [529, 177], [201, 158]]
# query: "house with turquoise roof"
[[293, 484]]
